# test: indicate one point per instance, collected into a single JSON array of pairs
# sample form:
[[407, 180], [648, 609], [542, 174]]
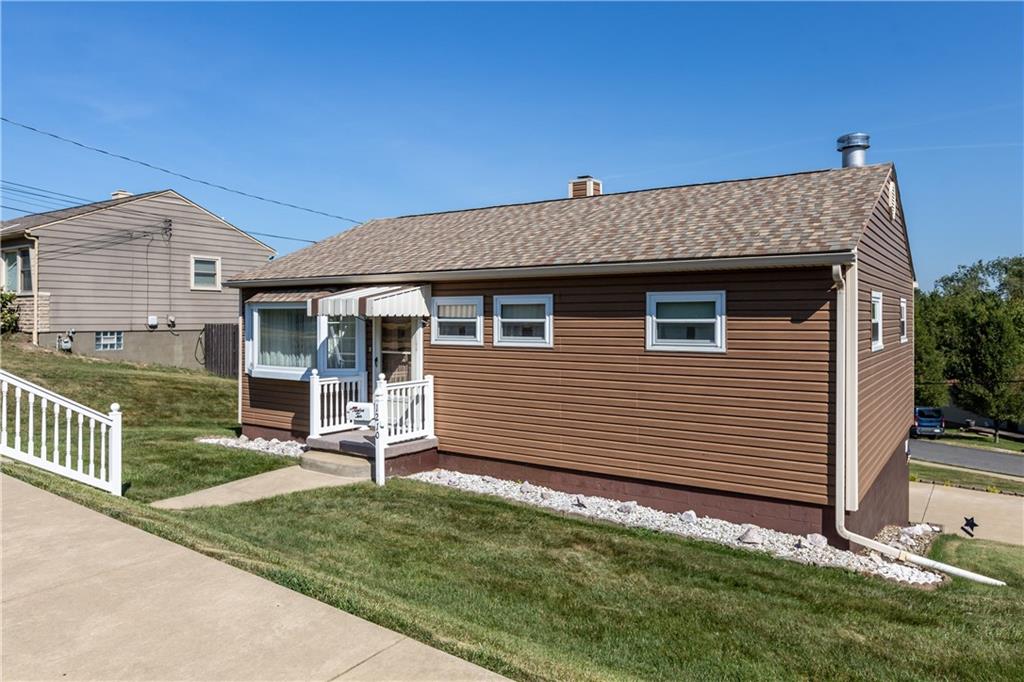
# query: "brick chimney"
[[584, 186]]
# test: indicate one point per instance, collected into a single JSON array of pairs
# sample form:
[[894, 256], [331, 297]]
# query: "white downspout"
[[840, 445]]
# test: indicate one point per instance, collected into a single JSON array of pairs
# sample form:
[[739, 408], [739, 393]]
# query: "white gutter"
[[842, 414], [797, 260]]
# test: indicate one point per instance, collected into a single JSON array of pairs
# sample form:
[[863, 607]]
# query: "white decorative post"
[[114, 453], [314, 404], [428, 409], [380, 404]]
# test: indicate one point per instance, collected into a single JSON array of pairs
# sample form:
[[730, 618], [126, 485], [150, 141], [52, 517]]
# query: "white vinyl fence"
[[404, 412], [49, 431], [328, 402]]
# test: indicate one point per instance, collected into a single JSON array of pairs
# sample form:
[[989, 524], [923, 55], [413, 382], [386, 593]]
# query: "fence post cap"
[[114, 407], [314, 372], [381, 377]]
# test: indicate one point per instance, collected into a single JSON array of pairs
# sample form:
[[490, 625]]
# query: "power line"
[[151, 166], [57, 203]]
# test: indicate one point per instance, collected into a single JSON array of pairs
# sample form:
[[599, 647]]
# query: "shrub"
[[8, 312]]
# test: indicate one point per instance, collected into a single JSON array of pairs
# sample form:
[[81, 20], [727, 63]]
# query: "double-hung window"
[[284, 342], [524, 321], [876, 321], [457, 320], [686, 321], [17, 273], [903, 320], [206, 273]]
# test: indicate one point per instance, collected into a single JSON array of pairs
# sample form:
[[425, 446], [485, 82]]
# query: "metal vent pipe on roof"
[[854, 147]]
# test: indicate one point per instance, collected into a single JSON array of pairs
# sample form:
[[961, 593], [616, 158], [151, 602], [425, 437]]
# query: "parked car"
[[928, 421]]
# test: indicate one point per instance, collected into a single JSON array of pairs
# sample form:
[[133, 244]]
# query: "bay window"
[[284, 342]]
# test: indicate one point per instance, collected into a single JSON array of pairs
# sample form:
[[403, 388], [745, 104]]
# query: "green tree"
[[980, 327], [929, 360]]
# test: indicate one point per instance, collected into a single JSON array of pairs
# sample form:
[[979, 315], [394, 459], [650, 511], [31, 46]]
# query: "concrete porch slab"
[[260, 486], [360, 442]]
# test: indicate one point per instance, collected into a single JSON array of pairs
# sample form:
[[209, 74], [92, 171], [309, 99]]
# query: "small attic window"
[[892, 199]]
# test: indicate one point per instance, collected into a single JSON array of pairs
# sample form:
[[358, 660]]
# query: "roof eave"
[[795, 260]]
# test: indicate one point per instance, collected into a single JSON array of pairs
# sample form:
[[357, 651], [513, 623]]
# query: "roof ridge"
[[624, 192], [75, 207]]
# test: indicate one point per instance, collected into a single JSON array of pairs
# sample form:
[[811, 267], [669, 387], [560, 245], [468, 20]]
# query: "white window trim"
[[253, 369], [192, 273], [18, 258], [655, 297], [118, 341], [436, 339], [876, 297], [904, 324], [549, 328]]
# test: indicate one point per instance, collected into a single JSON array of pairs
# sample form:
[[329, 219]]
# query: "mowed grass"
[[982, 441], [535, 596], [164, 410], [963, 477]]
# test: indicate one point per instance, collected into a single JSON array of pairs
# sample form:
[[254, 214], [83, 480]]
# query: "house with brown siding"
[[740, 348], [136, 277]]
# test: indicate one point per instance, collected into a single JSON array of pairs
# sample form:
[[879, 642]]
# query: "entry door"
[[397, 348]]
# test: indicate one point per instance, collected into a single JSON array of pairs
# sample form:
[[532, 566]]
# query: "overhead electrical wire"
[[29, 194], [183, 176]]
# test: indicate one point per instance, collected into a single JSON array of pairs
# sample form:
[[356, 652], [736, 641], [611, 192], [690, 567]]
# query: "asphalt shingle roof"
[[14, 226], [813, 212]]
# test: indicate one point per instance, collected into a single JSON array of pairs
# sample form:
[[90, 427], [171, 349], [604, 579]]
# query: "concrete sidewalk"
[[86, 597], [999, 517], [268, 484]]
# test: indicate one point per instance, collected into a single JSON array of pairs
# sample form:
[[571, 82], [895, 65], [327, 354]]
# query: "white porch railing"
[[61, 436], [404, 412], [328, 402]]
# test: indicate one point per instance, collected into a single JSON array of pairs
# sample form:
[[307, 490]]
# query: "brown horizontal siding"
[[755, 420], [886, 376]]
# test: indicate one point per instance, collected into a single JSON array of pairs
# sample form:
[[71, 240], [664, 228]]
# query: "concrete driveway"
[[999, 517], [85, 597], [970, 458]]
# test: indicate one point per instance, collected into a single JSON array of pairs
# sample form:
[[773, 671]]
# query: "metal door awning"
[[380, 301]]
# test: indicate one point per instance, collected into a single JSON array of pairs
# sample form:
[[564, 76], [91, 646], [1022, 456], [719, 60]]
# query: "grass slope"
[[982, 442], [164, 410], [535, 595]]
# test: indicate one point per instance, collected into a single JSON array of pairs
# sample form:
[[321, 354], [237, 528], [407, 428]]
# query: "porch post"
[[380, 401], [428, 408], [314, 404]]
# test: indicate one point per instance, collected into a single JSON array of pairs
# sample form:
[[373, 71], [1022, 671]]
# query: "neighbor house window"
[[686, 321], [523, 321], [457, 320], [284, 342], [109, 340], [206, 273], [876, 321], [903, 320], [17, 275]]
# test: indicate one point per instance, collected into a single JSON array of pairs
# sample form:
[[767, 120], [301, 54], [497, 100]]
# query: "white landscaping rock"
[[812, 549], [287, 448]]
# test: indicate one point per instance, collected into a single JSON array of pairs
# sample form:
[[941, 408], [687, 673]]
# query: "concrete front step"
[[335, 464], [360, 442]]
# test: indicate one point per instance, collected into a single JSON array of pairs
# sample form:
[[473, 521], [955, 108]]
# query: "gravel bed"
[[284, 448], [811, 549]]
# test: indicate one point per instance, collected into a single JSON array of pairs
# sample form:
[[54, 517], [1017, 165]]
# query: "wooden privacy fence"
[[220, 348], [47, 430]]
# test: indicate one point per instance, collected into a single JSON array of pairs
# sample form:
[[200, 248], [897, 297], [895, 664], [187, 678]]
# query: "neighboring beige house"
[[133, 278]]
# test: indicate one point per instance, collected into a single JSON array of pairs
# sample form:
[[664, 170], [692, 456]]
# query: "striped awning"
[[382, 301]]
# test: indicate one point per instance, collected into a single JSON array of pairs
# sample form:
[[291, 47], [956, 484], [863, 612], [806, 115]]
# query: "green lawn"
[[164, 410], [982, 442], [535, 595], [963, 477]]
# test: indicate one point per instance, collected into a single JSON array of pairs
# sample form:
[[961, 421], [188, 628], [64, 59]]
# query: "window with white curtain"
[[10, 281], [686, 321], [285, 337], [457, 320], [342, 346], [523, 321]]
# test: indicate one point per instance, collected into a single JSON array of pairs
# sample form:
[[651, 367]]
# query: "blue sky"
[[378, 110]]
